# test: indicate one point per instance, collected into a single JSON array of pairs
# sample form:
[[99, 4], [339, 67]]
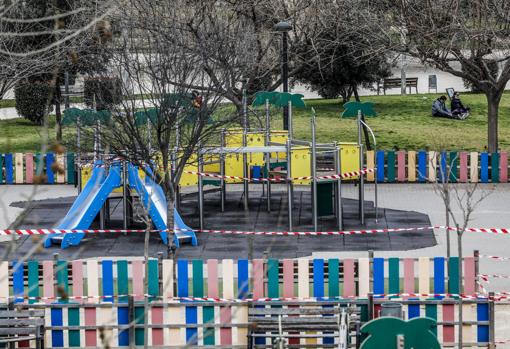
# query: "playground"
[[261, 218]]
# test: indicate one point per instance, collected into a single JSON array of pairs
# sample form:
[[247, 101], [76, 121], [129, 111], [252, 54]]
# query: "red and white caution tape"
[[283, 179], [240, 232], [212, 231], [243, 300], [486, 277], [484, 230], [497, 258]]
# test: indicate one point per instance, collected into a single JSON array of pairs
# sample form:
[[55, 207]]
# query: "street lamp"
[[284, 27]]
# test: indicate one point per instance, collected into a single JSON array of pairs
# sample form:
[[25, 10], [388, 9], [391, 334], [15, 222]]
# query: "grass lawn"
[[403, 122]]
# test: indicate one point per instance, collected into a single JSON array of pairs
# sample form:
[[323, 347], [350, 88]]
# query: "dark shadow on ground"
[[45, 213]]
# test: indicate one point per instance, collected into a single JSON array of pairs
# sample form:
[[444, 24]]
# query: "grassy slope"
[[404, 122]]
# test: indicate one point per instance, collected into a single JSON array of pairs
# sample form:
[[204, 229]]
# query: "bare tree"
[[469, 39], [460, 202], [175, 119]]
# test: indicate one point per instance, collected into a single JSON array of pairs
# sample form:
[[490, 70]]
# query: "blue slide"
[[87, 205], [154, 200]]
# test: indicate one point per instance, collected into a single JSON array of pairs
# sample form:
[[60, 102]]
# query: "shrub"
[[32, 100], [106, 91]]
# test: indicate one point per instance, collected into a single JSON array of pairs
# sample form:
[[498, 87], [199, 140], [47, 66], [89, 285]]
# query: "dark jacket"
[[456, 104], [439, 108]]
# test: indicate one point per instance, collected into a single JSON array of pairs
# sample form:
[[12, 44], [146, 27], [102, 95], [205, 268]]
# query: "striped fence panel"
[[108, 280], [432, 166], [392, 167], [20, 168]]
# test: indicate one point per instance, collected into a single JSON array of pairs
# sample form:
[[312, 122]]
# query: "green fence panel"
[[139, 320], [431, 312], [208, 317], [33, 281], [333, 277], [394, 276], [273, 286], [153, 272], [453, 163], [70, 168], [391, 166], [453, 275], [198, 277], [122, 280], [495, 167]]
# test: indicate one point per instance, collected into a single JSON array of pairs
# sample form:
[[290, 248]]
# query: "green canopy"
[[279, 99], [352, 108], [70, 116], [142, 116], [88, 117]]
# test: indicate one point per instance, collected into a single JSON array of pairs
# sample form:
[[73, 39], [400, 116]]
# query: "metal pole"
[[314, 173], [222, 172], [200, 189], [461, 315], [361, 178], [149, 134], [268, 155], [338, 204], [289, 182], [245, 156], [78, 150], [492, 322], [447, 225], [124, 195], [285, 78], [290, 120], [376, 196]]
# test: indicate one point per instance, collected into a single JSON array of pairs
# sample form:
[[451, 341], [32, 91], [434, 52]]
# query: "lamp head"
[[283, 26]]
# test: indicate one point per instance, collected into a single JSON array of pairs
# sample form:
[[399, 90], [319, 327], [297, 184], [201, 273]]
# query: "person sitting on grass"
[[439, 108], [458, 109]]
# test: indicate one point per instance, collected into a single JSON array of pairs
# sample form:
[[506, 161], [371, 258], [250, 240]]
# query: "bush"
[[32, 100], [106, 91]]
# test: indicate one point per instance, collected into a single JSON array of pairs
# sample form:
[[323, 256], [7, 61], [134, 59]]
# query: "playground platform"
[[47, 212]]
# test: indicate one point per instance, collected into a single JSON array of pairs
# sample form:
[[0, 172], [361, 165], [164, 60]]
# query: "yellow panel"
[[86, 173], [212, 168], [234, 137], [255, 140], [188, 179], [279, 137], [300, 164], [233, 166], [349, 153]]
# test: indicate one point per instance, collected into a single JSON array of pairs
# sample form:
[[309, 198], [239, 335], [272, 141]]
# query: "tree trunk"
[[365, 130], [58, 113], [170, 201], [493, 100]]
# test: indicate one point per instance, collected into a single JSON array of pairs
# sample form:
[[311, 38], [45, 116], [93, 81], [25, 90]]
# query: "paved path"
[[492, 212]]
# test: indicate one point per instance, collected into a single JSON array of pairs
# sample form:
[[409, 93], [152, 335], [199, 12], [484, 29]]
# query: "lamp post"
[[284, 27]]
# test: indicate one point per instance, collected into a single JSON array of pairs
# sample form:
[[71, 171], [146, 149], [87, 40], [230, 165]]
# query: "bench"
[[396, 83], [285, 326], [20, 326]]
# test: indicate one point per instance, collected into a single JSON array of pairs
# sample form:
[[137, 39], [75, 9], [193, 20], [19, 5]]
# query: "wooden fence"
[[88, 300], [49, 168], [422, 166], [393, 167], [225, 324]]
